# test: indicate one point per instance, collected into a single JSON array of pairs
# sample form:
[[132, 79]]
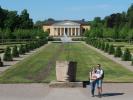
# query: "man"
[[100, 76]]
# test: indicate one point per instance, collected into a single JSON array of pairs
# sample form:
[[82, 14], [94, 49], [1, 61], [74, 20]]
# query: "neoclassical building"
[[68, 27]]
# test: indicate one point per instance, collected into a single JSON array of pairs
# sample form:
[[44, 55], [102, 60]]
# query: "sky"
[[67, 9]]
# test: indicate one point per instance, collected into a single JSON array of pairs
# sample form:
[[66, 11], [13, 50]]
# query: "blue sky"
[[67, 9]]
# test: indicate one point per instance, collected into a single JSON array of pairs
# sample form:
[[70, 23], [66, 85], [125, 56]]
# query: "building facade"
[[70, 28]]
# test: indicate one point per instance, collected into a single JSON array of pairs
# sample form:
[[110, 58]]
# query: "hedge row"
[[21, 50], [110, 49]]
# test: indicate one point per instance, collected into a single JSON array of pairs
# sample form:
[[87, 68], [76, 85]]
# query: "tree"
[[15, 52], [26, 22], [118, 52], [7, 55], [126, 55]]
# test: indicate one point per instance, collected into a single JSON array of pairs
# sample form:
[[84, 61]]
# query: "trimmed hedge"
[[1, 63], [15, 52], [118, 52], [111, 49], [126, 55], [8, 55]]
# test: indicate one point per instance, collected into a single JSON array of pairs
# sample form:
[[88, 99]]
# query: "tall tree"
[[26, 22]]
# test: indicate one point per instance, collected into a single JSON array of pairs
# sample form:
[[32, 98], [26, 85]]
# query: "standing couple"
[[96, 78]]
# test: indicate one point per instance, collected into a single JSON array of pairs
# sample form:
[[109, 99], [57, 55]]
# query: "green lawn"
[[28, 69]]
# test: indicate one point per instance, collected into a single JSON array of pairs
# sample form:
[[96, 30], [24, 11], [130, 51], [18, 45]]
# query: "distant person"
[[99, 80], [93, 77]]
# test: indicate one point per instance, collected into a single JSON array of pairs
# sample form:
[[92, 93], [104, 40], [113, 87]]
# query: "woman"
[[93, 78]]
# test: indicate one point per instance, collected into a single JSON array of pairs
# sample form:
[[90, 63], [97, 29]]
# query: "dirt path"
[[126, 64]]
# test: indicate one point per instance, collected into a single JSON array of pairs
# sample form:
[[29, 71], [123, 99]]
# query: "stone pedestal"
[[61, 71], [66, 71]]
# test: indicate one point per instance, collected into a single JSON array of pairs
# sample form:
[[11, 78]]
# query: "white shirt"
[[99, 73]]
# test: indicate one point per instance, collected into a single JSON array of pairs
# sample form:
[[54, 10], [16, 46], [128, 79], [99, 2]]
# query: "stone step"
[[56, 84]]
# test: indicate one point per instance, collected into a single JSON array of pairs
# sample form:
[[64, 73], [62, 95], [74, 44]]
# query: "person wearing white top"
[[100, 76]]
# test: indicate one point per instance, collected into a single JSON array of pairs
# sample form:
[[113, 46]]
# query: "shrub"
[[132, 62], [118, 52], [22, 49], [126, 55], [111, 49], [27, 48], [15, 52], [106, 47], [99, 45], [102, 46], [1, 63], [7, 54]]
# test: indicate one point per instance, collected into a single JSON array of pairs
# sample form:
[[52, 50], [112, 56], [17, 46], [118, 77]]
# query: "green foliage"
[[22, 49], [132, 62], [106, 47], [15, 52], [7, 55], [115, 26], [99, 45], [11, 20], [103, 46], [126, 55], [111, 49], [1, 63], [118, 52], [27, 47]]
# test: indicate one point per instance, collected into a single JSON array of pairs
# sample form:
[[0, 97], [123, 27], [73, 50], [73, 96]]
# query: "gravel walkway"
[[126, 64], [118, 91]]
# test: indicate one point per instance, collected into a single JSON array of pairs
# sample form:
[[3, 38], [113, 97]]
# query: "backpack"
[[102, 77]]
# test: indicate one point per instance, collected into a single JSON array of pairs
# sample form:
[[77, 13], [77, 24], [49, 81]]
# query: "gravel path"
[[111, 91], [126, 64], [8, 64]]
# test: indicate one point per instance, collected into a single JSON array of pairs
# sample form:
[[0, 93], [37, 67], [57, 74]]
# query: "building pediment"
[[66, 23]]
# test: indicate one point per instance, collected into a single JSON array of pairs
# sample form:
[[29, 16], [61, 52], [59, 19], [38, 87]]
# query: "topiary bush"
[[1, 63], [111, 49], [132, 62], [15, 52], [102, 46], [99, 45], [7, 55], [106, 49], [27, 48], [22, 49], [126, 55], [118, 52]]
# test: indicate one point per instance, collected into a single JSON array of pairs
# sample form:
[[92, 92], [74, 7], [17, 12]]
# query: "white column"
[[64, 30], [75, 32], [78, 31], [60, 31]]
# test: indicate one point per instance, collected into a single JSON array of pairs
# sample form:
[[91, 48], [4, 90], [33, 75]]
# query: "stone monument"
[[66, 71]]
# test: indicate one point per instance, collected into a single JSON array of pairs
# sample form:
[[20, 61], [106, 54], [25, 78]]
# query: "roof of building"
[[51, 22]]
